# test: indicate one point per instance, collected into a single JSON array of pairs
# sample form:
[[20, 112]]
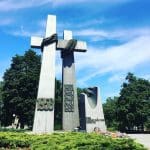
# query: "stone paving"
[[142, 138]]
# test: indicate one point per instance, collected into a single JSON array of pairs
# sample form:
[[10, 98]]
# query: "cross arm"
[[36, 42], [61, 44], [80, 46]]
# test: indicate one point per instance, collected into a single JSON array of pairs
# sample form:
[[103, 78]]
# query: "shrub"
[[65, 141]]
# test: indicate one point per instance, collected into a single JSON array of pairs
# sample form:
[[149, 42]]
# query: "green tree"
[[20, 88], [133, 105], [110, 112], [79, 91], [58, 105], [1, 102]]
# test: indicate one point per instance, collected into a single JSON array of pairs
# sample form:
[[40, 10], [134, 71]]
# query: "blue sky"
[[117, 33]]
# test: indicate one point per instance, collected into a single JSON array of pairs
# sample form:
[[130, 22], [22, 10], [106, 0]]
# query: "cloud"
[[118, 77], [7, 5], [5, 21], [23, 33], [66, 2], [121, 58], [122, 34], [69, 25], [92, 32], [90, 23], [145, 76], [112, 95]]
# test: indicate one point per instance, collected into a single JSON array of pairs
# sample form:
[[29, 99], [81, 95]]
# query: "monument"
[[44, 112], [70, 101], [91, 111]]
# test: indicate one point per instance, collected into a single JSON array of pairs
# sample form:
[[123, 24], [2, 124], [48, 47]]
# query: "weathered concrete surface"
[[91, 111], [142, 138], [70, 106], [61, 44], [44, 119]]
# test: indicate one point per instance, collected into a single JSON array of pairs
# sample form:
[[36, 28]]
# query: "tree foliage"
[[131, 110], [58, 105], [20, 88], [1, 102], [133, 105], [110, 112]]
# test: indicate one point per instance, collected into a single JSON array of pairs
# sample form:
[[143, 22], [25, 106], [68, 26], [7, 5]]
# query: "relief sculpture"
[[46, 104], [68, 98]]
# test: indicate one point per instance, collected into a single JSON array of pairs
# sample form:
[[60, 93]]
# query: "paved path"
[[142, 138]]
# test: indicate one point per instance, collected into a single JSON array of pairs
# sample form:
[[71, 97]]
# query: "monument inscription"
[[92, 120], [68, 98]]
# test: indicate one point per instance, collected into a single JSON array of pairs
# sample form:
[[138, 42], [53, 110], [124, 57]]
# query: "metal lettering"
[[93, 121]]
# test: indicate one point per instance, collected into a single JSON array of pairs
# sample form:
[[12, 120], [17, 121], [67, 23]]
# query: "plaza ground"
[[142, 138]]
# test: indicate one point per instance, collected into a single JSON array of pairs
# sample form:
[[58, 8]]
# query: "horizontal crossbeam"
[[36, 42], [80, 46], [61, 44]]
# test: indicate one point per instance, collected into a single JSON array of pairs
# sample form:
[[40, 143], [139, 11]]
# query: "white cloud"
[[126, 34], [42, 23], [7, 5], [115, 59], [118, 77], [79, 25], [92, 32], [91, 23], [145, 76], [112, 94], [23, 33], [5, 21], [58, 65], [67, 2]]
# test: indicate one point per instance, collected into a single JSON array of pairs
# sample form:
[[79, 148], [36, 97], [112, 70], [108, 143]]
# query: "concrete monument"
[[44, 112], [91, 111], [70, 101]]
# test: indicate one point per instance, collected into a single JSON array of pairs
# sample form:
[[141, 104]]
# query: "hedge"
[[65, 141]]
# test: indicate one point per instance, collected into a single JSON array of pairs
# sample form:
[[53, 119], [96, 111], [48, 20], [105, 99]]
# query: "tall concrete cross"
[[44, 113], [70, 101]]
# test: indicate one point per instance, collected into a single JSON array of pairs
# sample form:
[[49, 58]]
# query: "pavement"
[[141, 138]]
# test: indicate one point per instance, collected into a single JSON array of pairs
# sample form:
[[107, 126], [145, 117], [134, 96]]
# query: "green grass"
[[65, 141]]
